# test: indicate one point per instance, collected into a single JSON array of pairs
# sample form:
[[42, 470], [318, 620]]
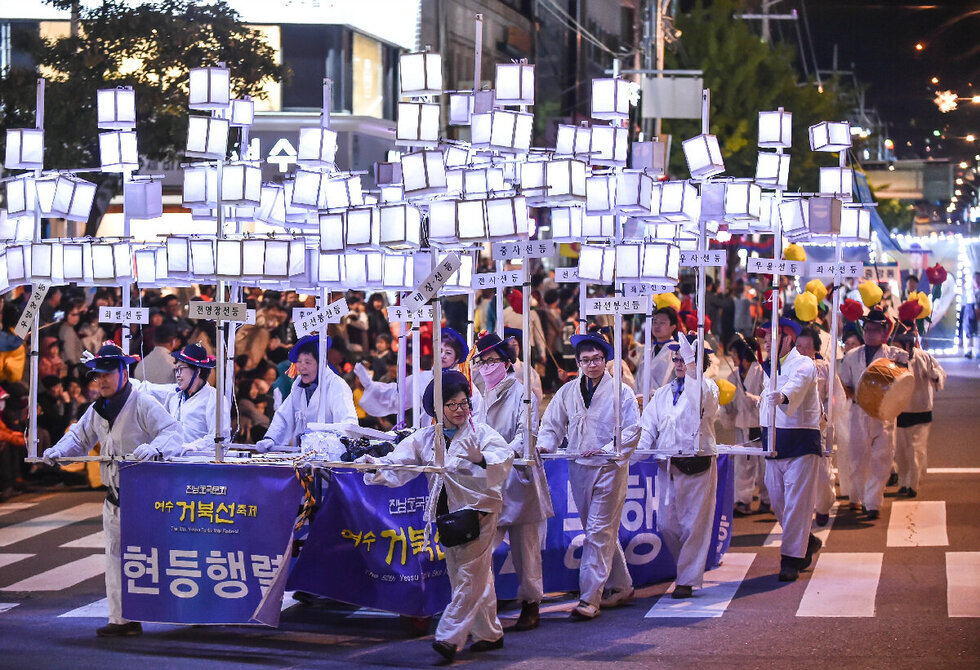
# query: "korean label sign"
[[616, 305], [770, 266], [881, 273], [566, 275], [400, 314], [124, 314], [33, 304], [818, 269], [217, 311], [638, 289], [498, 279], [504, 251], [695, 259], [430, 285], [317, 319]]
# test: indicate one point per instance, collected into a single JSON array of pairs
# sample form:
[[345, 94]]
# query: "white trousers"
[[599, 493], [792, 487], [910, 453], [871, 453], [113, 561], [473, 609], [750, 471], [525, 552], [685, 512], [825, 495]]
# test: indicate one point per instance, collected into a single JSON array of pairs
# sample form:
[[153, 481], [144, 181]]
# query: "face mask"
[[493, 374]]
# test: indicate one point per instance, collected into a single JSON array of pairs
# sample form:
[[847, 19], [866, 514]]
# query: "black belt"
[[112, 497]]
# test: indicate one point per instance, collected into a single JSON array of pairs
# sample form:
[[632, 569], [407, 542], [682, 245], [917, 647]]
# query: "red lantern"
[[909, 311], [936, 274], [852, 310]]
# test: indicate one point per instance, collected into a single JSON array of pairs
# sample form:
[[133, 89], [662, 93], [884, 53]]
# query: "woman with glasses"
[[582, 411], [478, 462], [681, 417], [527, 501]]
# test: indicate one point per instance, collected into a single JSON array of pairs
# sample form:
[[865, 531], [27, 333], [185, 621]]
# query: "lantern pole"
[[219, 325], [35, 334]]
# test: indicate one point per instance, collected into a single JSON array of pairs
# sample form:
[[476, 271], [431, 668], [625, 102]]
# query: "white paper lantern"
[[679, 202], [830, 136], [424, 173], [242, 113], [272, 205], [362, 227], [743, 200], [793, 215], [574, 141], [278, 257], [112, 263], [202, 257], [596, 226], [776, 130], [460, 108], [46, 188], [418, 124], [309, 190], [514, 84], [661, 262], [481, 181], [331, 231], [343, 193], [18, 264], [824, 216], [596, 264], [253, 257], [151, 265], [703, 156], [362, 270], [565, 180], [600, 194], [471, 220], [116, 108], [609, 146], [21, 196], [241, 184], [502, 130], [420, 74], [228, 261], [532, 180], [507, 218], [317, 147], [42, 265], [442, 221], [200, 186], [855, 224], [400, 226], [650, 157], [398, 272], [210, 88], [772, 170], [178, 257], [25, 149], [456, 155], [566, 224], [73, 198], [610, 99], [143, 198], [836, 181], [329, 269], [207, 137], [629, 186], [74, 266], [629, 261]]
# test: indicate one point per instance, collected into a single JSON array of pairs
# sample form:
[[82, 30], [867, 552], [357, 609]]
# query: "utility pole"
[[766, 17]]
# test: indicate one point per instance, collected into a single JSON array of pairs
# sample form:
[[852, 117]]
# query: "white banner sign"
[[829, 269], [33, 304], [315, 320], [638, 289], [498, 279], [124, 314], [566, 275], [616, 305], [879, 274], [504, 251], [399, 314], [430, 285], [217, 311], [769, 266], [696, 259]]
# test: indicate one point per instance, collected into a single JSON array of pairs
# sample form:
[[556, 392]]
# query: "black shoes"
[[446, 650], [487, 645], [814, 544], [873, 514], [903, 490], [530, 617], [822, 519], [682, 591], [128, 629], [912, 493], [790, 566], [788, 574], [892, 479]]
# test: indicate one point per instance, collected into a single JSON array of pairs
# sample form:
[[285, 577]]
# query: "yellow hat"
[[817, 288], [805, 306], [794, 252], [923, 299], [667, 300], [870, 293], [726, 391]]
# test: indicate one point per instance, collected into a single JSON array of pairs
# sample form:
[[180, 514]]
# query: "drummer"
[[872, 440]]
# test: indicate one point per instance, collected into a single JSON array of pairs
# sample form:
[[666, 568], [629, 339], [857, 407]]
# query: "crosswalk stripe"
[[963, 583], [63, 576], [25, 530], [7, 559], [97, 610], [6, 607], [953, 471], [93, 541], [775, 536], [920, 523], [842, 585], [720, 586], [9, 508]]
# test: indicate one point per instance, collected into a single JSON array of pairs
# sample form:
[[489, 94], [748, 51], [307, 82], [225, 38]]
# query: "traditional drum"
[[885, 389]]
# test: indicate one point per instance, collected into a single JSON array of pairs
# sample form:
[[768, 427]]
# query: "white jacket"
[[743, 411], [669, 426], [797, 380], [929, 376], [526, 495], [853, 365], [142, 420], [292, 417], [661, 370], [468, 485], [592, 427], [195, 415], [381, 398]]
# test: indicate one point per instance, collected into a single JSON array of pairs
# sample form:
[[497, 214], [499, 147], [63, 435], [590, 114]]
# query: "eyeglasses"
[[181, 369], [455, 406], [490, 361], [676, 359], [592, 361]]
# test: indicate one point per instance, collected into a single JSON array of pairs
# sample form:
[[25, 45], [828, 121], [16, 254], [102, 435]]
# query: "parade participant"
[[742, 414], [681, 416], [664, 324], [301, 406], [872, 441], [514, 339], [912, 426], [527, 501], [193, 400], [791, 473], [381, 399], [478, 462], [125, 423], [582, 411]]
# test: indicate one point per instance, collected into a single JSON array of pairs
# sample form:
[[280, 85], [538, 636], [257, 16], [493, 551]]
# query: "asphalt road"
[[900, 592]]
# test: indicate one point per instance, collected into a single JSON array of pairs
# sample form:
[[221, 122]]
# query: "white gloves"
[[471, 450], [363, 374], [686, 350], [264, 445], [146, 452], [49, 456], [86, 357], [775, 398]]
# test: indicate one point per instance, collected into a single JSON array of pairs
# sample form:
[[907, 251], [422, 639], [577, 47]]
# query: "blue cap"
[[303, 344], [596, 339], [458, 342]]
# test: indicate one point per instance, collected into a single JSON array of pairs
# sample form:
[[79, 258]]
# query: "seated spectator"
[[50, 361], [13, 352]]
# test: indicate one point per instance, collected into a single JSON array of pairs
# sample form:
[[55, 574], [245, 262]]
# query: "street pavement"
[[901, 592]]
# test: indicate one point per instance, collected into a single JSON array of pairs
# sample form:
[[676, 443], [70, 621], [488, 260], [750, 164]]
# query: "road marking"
[[952, 471], [6, 607], [8, 508], [62, 577], [97, 610], [720, 586], [775, 536], [7, 559], [963, 583], [42, 524], [842, 585], [93, 541], [918, 524]]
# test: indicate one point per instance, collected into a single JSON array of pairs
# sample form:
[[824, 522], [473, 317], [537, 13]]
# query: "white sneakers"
[[585, 611]]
